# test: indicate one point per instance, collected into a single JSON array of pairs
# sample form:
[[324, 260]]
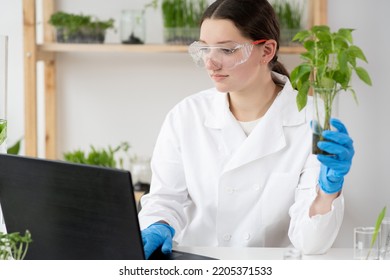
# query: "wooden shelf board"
[[149, 48], [58, 47]]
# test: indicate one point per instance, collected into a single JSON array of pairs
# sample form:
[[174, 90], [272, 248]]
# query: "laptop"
[[73, 211]]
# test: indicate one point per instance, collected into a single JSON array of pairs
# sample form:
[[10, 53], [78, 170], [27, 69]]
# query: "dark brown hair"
[[256, 19]]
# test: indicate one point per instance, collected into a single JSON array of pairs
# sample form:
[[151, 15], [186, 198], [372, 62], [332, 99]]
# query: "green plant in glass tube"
[[328, 65]]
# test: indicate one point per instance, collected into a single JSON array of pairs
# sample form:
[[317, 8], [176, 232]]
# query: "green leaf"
[[301, 36], [356, 52], [341, 78], [324, 36], [320, 28], [14, 150], [346, 33], [363, 75], [354, 95], [342, 59], [298, 74], [326, 82], [302, 95]]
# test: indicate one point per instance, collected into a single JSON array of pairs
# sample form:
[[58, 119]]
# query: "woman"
[[232, 165]]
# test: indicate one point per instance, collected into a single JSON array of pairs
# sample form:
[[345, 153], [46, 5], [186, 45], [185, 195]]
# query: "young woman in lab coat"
[[232, 165]]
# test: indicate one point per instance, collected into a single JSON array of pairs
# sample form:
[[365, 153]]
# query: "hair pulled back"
[[256, 19]]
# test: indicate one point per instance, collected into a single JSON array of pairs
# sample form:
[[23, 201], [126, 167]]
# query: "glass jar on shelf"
[[132, 27]]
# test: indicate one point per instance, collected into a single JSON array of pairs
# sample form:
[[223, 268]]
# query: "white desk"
[[252, 253]]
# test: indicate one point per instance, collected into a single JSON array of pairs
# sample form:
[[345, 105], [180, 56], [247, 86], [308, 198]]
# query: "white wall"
[[107, 98]]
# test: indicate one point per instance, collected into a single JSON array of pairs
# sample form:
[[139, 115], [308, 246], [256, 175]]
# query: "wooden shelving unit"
[[46, 52]]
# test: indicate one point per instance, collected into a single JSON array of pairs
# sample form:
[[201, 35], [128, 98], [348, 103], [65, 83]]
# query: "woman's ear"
[[269, 50]]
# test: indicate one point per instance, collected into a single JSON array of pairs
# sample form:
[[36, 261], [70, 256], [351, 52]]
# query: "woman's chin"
[[221, 87]]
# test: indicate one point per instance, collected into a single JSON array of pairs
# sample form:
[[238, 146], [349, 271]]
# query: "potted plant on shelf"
[[289, 14], [73, 28], [327, 68], [110, 157], [181, 20], [99, 157]]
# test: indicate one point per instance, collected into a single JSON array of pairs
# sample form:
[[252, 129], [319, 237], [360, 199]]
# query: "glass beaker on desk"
[[363, 249], [385, 239]]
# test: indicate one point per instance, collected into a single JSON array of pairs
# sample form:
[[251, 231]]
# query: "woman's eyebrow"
[[218, 43]]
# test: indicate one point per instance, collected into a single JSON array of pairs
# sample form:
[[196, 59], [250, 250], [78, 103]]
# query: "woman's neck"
[[253, 103]]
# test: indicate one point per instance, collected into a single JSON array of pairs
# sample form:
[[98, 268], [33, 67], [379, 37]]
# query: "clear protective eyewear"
[[223, 56]]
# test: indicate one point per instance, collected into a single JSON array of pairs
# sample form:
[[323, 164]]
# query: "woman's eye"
[[204, 50], [228, 50]]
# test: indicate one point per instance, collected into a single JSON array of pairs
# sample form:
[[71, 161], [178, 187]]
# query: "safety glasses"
[[223, 56]]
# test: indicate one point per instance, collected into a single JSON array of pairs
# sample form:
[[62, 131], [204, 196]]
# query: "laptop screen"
[[73, 211]]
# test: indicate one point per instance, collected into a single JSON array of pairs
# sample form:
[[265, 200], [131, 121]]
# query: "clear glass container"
[[324, 109], [385, 239], [181, 35], [132, 27], [141, 173], [363, 247]]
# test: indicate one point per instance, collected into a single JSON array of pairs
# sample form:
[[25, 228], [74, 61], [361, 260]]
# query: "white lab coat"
[[217, 187]]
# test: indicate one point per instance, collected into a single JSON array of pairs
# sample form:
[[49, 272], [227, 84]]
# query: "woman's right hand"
[[156, 235]]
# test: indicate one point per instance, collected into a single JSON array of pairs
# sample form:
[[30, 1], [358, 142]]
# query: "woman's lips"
[[218, 77]]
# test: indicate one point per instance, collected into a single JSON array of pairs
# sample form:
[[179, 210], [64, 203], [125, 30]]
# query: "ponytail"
[[278, 67]]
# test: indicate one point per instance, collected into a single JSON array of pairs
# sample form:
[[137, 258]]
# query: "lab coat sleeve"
[[313, 235], [168, 194]]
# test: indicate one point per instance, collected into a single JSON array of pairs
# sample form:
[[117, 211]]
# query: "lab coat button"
[[247, 236], [229, 190], [227, 237], [256, 187]]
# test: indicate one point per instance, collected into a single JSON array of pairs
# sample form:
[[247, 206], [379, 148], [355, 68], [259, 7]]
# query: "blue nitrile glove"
[[336, 165], [156, 235]]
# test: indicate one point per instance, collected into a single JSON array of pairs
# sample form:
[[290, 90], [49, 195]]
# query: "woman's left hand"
[[336, 165]]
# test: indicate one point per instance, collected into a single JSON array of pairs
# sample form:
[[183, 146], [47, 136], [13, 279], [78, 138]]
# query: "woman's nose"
[[211, 64]]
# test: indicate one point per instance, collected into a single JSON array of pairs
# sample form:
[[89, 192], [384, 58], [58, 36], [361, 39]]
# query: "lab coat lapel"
[[266, 138], [231, 135]]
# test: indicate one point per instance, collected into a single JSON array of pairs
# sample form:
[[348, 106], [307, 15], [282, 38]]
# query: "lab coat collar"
[[268, 135]]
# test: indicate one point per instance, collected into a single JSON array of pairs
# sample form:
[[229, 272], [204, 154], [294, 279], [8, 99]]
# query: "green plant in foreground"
[[100, 157], [14, 246], [376, 230], [328, 65]]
